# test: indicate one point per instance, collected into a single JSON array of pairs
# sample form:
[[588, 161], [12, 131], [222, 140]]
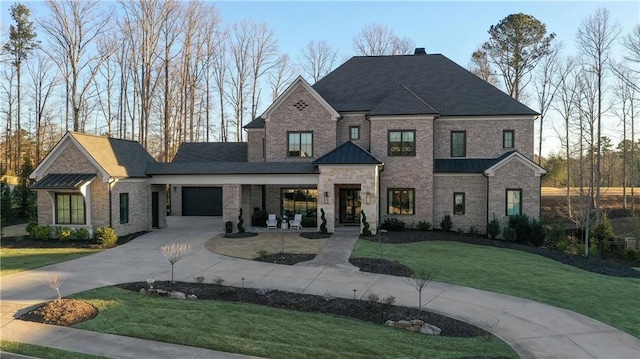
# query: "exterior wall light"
[[368, 197]]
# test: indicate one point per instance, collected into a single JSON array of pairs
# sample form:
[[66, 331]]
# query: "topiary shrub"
[[323, 224], [228, 227], [365, 225], [240, 222], [393, 224], [446, 223], [80, 234], [107, 237], [423, 226], [493, 227], [41, 233], [509, 234]]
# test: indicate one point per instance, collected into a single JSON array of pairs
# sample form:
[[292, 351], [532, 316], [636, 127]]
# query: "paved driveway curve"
[[533, 329]]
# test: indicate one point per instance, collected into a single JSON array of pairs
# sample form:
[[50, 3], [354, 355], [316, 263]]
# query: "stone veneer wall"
[[484, 136], [354, 120], [514, 175], [287, 118], [406, 171], [474, 186]]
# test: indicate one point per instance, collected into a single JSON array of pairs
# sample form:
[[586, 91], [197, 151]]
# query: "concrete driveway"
[[533, 329]]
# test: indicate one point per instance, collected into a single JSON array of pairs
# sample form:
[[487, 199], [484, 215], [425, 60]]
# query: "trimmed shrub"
[[446, 223], [323, 225], [228, 227], [259, 218], [81, 234], [423, 226], [474, 230], [509, 234], [63, 233], [537, 232], [520, 224], [365, 225], [240, 222], [555, 235], [493, 228], [106, 236], [41, 233], [30, 226], [603, 231], [393, 224]]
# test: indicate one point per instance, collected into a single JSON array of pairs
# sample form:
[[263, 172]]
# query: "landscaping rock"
[[177, 295], [162, 293], [143, 291], [430, 329], [192, 297]]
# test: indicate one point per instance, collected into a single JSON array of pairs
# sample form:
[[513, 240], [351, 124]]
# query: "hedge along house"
[[89, 181]]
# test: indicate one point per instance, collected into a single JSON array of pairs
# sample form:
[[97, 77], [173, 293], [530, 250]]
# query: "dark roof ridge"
[[419, 98]]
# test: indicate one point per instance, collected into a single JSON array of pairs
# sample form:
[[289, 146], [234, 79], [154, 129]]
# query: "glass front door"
[[349, 205]]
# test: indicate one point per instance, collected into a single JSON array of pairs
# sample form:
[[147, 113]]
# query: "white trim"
[[495, 117], [57, 150], [247, 179], [539, 171], [299, 80]]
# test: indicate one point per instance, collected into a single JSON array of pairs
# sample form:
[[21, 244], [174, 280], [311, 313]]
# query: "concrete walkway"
[[533, 329]]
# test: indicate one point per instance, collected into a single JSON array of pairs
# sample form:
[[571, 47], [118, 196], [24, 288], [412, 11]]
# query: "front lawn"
[[42, 352], [612, 300], [268, 332], [13, 260]]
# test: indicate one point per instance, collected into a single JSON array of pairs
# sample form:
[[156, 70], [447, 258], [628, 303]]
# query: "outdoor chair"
[[272, 222], [295, 223]]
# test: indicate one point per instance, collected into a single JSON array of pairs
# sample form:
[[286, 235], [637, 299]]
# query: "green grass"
[[268, 332], [42, 352], [13, 260], [611, 300]]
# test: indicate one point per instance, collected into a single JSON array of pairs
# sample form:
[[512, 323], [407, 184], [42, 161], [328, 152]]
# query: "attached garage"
[[202, 201]]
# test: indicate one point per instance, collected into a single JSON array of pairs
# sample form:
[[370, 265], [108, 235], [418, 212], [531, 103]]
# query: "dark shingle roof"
[[119, 158], [211, 152], [466, 165], [204, 168], [258, 122], [374, 83], [63, 181], [347, 153]]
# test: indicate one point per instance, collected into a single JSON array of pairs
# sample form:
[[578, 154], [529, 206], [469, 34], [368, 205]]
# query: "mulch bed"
[[64, 312], [240, 235], [285, 258], [28, 242], [366, 310], [315, 235], [595, 265]]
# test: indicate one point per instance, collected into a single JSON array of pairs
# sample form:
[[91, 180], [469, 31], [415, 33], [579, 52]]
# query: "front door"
[[155, 210], [349, 205]]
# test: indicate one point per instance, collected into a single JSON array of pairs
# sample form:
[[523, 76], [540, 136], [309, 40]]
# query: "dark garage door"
[[202, 201]]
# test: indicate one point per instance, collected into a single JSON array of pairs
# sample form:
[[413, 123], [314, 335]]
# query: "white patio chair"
[[296, 222], [272, 222]]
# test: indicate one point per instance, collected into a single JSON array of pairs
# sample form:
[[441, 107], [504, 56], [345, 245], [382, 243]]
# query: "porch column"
[[231, 200]]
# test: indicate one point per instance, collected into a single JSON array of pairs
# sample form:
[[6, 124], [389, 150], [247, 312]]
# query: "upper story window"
[[514, 202], [402, 143], [354, 132], [70, 209], [300, 144], [508, 139], [458, 143]]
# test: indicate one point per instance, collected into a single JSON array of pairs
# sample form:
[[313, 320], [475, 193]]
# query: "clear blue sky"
[[453, 28]]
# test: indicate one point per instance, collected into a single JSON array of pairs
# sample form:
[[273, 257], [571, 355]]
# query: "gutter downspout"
[[487, 196], [111, 182]]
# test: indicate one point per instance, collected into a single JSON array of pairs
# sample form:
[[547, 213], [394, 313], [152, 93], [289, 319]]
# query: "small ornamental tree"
[[173, 253], [419, 281], [493, 227], [446, 223]]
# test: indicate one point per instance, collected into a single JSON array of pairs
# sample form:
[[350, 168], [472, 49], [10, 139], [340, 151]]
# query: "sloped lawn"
[[612, 300], [13, 260]]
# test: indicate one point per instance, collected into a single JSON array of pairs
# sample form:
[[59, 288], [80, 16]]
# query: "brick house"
[[89, 181], [413, 137]]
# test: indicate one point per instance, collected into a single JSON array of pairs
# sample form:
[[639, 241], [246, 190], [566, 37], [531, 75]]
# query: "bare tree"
[[220, 64], [377, 39], [55, 281], [73, 27], [282, 76], [419, 281], [263, 53], [317, 60], [173, 253], [632, 43], [545, 85], [595, 39], [480, 67], [239, 41], [44, 80]]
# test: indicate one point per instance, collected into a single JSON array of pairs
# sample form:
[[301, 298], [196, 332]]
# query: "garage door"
[[202, 201]]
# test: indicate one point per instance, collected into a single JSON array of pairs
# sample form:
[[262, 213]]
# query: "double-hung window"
[[354, 132], [514, 202], [401, 201], [70, 209], [508, 139], [458, 203], [402, 143], [300, 144], [458, 143]]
